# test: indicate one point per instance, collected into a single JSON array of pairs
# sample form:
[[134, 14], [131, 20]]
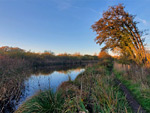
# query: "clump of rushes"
[[44, 102]]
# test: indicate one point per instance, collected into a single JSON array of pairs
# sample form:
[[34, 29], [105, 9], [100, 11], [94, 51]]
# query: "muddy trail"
[[132, 102]]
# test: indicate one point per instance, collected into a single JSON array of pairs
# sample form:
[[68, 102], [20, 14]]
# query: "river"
[[47, 78]]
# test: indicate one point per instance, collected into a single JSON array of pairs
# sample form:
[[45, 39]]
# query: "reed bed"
[[12, 72]]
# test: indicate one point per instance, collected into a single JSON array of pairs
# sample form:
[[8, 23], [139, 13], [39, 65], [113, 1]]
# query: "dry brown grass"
[[12, 72], [135, 73], [121, 67]]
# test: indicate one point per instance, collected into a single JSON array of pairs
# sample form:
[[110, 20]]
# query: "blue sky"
[[60, 25]]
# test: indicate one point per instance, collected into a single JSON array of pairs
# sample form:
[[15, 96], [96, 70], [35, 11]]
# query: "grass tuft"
[[44, 102]]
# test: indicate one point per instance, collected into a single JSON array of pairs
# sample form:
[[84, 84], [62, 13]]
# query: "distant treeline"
[[47, 57]]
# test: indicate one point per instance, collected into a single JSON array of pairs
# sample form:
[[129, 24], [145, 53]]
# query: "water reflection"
[[59, 68], [46, 79]]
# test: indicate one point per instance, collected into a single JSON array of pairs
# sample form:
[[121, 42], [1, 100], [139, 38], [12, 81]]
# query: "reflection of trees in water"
[[69, 70], [47, 70]]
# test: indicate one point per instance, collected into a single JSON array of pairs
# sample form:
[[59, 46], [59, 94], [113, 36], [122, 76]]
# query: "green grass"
[[44, 102], [140, 94]]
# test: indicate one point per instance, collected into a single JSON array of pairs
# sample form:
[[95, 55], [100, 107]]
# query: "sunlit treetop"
[[117, 29]]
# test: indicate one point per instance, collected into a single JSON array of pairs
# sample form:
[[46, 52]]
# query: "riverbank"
[[104, 87], [25, 82], [92, 91]]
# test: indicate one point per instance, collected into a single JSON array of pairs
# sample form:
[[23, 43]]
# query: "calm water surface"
[[41, 82]]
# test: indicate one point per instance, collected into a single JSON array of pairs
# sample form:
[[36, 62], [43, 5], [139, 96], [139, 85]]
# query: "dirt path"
[[132, 102]]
